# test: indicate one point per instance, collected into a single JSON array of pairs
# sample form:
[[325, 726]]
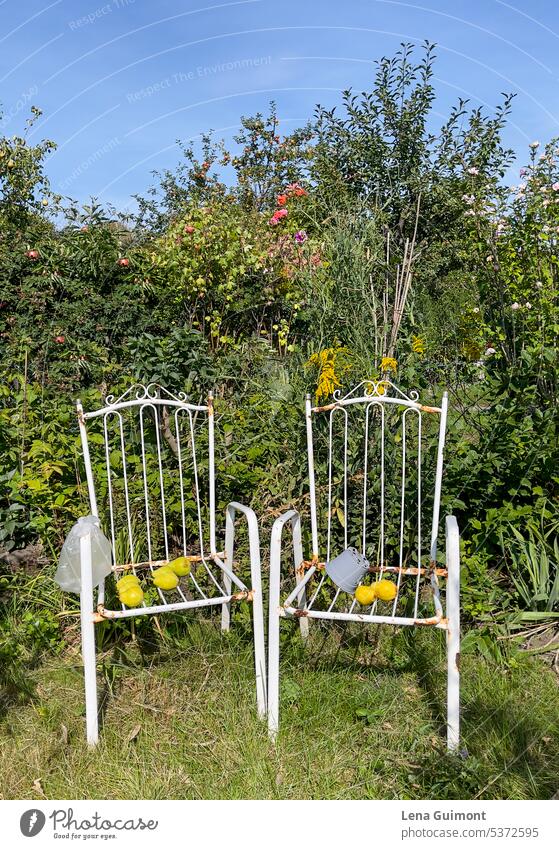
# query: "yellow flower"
[[418, 345], [377, 387], [388, 364], [332, 363]]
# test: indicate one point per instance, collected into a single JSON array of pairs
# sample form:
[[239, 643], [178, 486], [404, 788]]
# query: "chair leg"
[[259, 652], [257, 615], [227, 583], [88, 643], [256, 579], [273, 673], [299, 575], [453, 686], [274, 630], [453, 634]]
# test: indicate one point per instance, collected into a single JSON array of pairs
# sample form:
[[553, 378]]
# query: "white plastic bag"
[[68, 574]]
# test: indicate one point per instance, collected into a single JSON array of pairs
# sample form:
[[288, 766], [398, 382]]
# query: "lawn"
[[362, 716]]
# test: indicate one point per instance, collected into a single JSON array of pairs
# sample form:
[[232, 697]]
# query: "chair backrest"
[[150, 469], [376, 458]]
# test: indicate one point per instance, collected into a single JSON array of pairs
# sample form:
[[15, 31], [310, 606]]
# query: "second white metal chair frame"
[[296, 604]]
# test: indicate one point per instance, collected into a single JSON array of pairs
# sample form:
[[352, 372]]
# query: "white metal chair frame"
[[154, 398], [375, 396]]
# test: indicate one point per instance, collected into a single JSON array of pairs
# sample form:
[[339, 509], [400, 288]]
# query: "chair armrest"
[[452, 539], [453, 571], [231, 511], [294, 518], [235, 507]]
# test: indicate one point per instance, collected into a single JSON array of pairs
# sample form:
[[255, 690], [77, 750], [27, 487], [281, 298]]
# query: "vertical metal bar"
[[312, 490], [126, 493], [381, 489], [198, 505], [365, 479], [453, 632], [88, 641], [345, 480], [211, 468], [299, 572], [109, 482], [419, 541], [181, 481], [87, 460], [257, 606], [90, 483], [161, 483], [329, 531], [146, 491], [381, 540], [402, 511], [317, 590], [274, 626], [438, 479], [229, 543], [274, 612], [334, 600]]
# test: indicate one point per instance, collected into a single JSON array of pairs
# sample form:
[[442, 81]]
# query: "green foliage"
[[533, 566]]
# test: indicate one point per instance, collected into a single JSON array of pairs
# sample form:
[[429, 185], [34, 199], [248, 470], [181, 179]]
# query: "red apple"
[[32, 254], [60, 339], [189, 229], [124, 261]]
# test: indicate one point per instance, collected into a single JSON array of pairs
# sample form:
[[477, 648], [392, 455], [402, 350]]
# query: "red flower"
[[60, 339], [277, 216], [282, 200], [124, 262]]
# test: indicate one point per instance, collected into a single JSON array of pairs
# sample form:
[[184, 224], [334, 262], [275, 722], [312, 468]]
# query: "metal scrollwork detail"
[[376, 389], [146, 392]]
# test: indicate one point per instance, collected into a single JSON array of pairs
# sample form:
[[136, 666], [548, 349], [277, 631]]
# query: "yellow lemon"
[[385, 590], [132, 596], [127, 581], [365, 594], [165, 578], [181, 566]]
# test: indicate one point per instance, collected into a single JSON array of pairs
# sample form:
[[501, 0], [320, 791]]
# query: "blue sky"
[[120, 81]]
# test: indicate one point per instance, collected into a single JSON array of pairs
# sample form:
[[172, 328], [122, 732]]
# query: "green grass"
[[362, 716]]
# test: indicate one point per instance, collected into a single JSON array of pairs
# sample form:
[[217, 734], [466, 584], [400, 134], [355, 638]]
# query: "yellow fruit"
[[385, 590], [181, 566], [165, 578], [127, 581], [365, 594], [11, 163], [132, 596]]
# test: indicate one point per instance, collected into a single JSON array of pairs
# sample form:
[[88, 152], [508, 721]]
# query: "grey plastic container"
[[347, 569]]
